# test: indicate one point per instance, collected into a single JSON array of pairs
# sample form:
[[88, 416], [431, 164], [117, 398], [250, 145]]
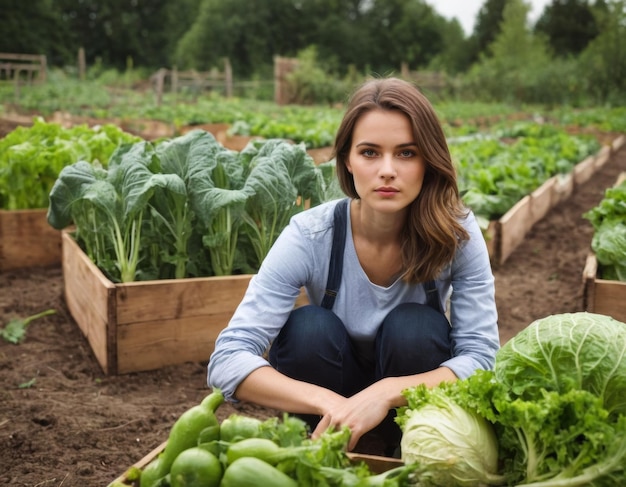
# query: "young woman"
[[378, 268]]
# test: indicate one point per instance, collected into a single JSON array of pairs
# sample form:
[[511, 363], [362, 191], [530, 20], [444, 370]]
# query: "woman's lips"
[[386, 192]]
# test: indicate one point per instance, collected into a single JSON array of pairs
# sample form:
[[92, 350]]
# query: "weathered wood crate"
[[149, 324], [603, 296], [27, 240], [377, 464]]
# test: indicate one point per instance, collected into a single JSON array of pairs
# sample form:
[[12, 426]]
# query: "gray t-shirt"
[[300, 258]]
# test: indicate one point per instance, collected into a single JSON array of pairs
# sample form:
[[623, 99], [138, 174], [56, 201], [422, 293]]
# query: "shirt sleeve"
[[473, 315], [267, 303]]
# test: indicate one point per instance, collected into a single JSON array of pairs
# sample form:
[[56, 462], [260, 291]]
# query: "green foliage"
[[31, 158], [608, 219], [569, 26], [184, 207], [511, 69], [603, 62], [555, 401], [310, 84], [494, 174]]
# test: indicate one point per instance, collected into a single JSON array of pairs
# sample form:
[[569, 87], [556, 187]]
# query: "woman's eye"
[[407, 153], [368, 152]]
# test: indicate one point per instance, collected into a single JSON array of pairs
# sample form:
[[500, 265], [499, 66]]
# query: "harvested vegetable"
[[458, 446], [556, 400], [183, 435], [196, 467]]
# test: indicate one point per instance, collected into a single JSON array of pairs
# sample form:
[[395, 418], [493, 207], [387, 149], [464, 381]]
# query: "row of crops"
[[497, 167], [501, 157]]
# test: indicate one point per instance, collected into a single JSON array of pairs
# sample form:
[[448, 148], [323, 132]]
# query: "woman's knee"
[[309, 330], [413, 338]]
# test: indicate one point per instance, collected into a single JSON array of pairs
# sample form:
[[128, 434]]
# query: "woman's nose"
[[387, 168]]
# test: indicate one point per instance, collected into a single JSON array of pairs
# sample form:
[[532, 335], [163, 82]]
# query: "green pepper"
[[237, 427], [252, 472], [184, 434], [196, 467]]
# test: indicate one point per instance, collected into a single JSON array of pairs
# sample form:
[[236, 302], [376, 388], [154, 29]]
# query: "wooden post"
[[228, 78], [82, 65]]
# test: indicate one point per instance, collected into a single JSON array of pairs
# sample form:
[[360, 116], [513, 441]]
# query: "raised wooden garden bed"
[[603, 296], [507, 233], [27, 240], [149, 324]]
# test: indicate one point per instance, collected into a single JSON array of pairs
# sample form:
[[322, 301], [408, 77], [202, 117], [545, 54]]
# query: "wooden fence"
[[30, 68], [193, 80]]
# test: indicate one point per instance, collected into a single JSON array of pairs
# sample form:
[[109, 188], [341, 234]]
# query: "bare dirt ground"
[[64, 423]]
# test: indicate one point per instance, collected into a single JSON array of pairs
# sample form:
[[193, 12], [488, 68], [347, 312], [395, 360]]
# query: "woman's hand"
[[361, 412]]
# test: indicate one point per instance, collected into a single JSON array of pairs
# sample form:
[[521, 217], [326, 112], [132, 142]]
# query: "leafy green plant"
[[15, 330], [555, 401], [608, 219], [31, 158], [184, 207]]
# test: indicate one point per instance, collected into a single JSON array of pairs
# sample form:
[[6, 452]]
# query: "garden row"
[[125, 330]]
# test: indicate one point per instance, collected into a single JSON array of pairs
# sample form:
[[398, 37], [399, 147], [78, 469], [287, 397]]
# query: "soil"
[[63, 422]]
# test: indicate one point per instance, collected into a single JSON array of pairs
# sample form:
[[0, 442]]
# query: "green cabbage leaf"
[[556, 402]]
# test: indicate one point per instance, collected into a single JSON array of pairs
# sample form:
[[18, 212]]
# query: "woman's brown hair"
[[433, 232]]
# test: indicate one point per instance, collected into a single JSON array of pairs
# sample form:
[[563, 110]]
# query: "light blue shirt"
[[300, 258]]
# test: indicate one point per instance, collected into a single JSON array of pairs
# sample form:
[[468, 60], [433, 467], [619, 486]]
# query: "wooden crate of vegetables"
[[166, 240], [604, 274], [242, 450]]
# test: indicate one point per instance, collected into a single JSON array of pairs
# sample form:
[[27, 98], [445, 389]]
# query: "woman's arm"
[[362, 412]]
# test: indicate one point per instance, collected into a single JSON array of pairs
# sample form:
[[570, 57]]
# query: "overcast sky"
[[465, 10]]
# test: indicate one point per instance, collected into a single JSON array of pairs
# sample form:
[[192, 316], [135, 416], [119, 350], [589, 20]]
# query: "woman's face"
[[388, 172]]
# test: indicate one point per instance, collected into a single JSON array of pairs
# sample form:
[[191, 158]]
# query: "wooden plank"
[[563, 187], [28, 240], [618, 143], [377, 464], [603, 296], [542, 200], [90, 297], [610, 299], [584, 170], [602, 157], [178, 298], [589, 279], [149, 345], [514, 226]]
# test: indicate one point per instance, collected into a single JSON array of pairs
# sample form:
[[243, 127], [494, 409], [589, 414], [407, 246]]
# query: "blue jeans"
[[315, 347]]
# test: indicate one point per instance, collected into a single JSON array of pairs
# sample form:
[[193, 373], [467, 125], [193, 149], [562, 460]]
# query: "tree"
[[569, 26], [511, 66], [34, 27], [487, 25], [250, 38], [603, 62]]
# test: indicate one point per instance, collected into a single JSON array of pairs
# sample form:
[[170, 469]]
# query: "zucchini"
[[252, 472]]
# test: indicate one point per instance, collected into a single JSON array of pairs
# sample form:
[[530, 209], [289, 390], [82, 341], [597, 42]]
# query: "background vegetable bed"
[[63, 423]]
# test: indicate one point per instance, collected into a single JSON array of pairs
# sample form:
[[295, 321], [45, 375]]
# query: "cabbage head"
[[566, 352], [452, 445]]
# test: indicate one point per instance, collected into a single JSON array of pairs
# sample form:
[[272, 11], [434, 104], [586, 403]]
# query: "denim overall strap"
[[432, 296], [336, 254]]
